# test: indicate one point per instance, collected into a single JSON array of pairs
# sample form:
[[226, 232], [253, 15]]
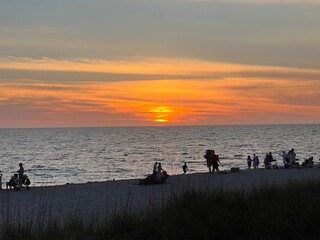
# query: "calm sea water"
[[79, 155]]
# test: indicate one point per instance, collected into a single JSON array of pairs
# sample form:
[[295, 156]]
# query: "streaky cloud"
[[100, 70]]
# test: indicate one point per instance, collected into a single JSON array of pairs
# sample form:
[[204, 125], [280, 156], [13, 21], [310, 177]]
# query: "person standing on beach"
[[292, 156], [249, 161], [268, 160], [185, 168], [20, 171], [207, 156], [0, 180], [284, 156], [214, 161], [255, 161]]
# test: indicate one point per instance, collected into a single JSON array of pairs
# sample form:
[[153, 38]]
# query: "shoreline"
[[103, 199]]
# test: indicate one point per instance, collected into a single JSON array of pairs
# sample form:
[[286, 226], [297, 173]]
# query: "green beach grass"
[[290, 211]]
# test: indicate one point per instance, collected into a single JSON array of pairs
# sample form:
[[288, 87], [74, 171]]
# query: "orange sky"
[[169, 62], [197, 92]]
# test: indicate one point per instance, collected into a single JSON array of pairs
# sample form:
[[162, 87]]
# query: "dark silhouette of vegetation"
[[291, 211]]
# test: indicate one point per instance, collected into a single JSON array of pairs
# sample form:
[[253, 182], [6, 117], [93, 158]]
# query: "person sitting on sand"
[[155, 168], [153, 176], [159, 171], [13, 182], [308, 162], [185, 168], [249, 160]]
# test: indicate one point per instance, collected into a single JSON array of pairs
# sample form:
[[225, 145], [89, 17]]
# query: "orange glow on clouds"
[[162, 113], [138, 66], [199, 100]]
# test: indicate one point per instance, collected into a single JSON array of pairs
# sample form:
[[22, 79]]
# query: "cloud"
[[262, 34], [98, 70], [195, 92], [227, 101]]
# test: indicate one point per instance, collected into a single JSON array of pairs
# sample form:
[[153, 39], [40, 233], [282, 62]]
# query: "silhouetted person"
[[155, 168], [185, 168], [249, 160], [207, 156], [20, 171], [255, 161], [215, 160]]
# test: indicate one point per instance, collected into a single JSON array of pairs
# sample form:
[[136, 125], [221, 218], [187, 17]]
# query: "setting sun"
[[162, 113], [161, 120]]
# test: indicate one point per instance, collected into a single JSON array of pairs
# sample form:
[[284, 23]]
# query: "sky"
[[100, 63]]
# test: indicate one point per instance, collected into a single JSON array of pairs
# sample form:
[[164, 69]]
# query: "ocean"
[[57, 156]]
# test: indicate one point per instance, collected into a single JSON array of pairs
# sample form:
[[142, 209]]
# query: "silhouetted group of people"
[[254, 161], [289, 160], [308, 162], [212, 160], [158, 176], [17, 180], [268, 161], [157, 170]]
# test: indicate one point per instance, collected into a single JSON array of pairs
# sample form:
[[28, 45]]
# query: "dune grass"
[[290, 211]]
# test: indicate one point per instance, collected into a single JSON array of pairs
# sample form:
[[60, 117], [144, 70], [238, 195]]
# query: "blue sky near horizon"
[[138, 43]]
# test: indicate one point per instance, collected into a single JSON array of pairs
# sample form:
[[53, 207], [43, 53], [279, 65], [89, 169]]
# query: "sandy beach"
[[102, 199]]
